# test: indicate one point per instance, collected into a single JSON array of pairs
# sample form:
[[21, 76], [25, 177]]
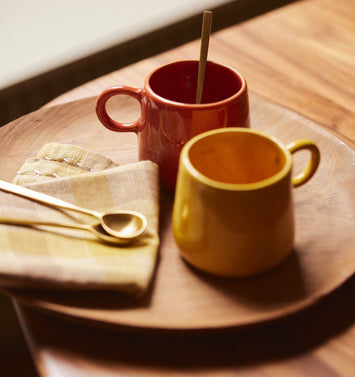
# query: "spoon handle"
[[43, 198], [205, 38], [28, 222]]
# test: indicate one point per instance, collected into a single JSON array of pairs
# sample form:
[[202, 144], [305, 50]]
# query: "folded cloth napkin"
[[43, 257]]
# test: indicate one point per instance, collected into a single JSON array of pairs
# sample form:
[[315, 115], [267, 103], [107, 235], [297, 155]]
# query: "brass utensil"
[[96, 229], [205, 38], [125, 225]]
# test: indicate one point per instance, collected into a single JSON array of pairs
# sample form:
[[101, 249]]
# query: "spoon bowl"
[[125, 225]]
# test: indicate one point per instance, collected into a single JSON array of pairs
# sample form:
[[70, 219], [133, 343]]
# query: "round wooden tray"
[[181, 298]]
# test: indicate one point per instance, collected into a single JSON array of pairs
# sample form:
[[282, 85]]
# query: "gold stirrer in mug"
[[205, 37]]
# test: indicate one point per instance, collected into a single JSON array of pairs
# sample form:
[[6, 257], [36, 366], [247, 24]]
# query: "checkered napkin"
[[44, 257]]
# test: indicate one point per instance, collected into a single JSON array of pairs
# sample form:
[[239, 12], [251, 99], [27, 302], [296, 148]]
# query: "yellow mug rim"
[[286, 169]]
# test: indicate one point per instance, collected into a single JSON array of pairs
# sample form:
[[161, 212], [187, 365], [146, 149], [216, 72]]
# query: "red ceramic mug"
[[169, 115]]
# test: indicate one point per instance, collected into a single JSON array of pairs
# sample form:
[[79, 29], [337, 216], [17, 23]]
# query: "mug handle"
[[101, 110], [312, 166]]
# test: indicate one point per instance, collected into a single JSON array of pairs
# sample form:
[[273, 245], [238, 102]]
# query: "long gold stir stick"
[[205, 38]]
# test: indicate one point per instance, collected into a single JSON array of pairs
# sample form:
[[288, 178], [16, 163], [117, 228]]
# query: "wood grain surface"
[[301, 57]]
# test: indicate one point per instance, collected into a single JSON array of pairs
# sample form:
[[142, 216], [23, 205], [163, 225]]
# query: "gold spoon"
[[122, 224], [96, 229], [205, 38]]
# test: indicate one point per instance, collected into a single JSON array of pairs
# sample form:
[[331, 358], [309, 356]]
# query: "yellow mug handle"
[[312, 166]]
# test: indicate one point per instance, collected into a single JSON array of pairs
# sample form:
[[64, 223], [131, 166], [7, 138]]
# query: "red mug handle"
[[103, 116]]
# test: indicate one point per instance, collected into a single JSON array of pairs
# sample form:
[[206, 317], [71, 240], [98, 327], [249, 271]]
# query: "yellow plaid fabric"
[[44, 257]]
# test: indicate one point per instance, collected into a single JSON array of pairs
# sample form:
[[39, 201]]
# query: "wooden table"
[[301, 57]]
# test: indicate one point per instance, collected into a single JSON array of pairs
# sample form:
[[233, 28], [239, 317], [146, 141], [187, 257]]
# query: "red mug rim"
[[161, 99]]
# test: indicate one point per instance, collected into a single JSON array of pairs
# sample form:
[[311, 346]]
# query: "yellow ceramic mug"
[[233, 210]]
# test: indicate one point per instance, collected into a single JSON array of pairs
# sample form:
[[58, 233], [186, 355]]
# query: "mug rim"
[[161, 99], [286, 168]]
